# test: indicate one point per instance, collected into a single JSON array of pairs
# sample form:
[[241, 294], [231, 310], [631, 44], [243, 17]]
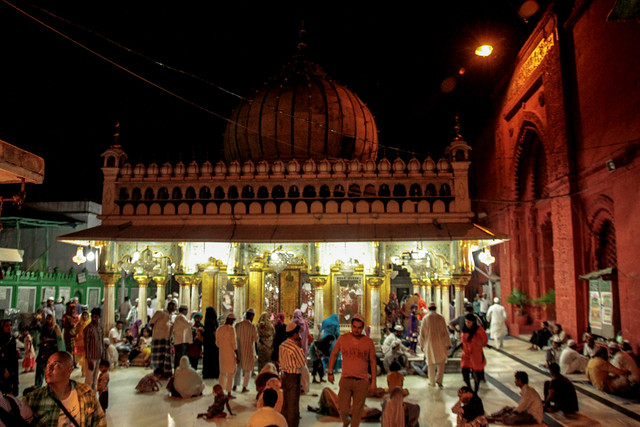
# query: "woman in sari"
[[79, 339], [210, 356], [266, 333]]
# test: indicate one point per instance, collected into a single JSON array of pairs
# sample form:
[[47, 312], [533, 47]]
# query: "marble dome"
[[301, 114]]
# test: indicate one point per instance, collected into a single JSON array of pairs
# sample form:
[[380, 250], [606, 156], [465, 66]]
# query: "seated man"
[[393, 338], [553, 354], [624, 361], [571, 361], [603, 374], [78, 400], [116, 339], [396, 355], [529, 411], [393, 349], [540, 337], [559, 393]]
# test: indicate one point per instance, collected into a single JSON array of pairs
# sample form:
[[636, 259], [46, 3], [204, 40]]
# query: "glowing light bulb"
[[484, 50]]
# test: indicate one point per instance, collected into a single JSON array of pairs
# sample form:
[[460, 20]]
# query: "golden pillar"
[[318, 283], [143, 282], [374, 283], [427, 290], [255, 288], [109, 295]]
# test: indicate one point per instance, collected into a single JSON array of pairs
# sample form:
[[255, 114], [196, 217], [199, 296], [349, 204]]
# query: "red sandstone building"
[[560, 171]]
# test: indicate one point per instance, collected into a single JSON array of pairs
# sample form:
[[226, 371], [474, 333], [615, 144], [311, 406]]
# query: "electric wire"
[[191, 75]]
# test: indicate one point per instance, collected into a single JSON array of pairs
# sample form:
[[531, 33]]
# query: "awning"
[[284, 233], [17, 164], [11, 255]]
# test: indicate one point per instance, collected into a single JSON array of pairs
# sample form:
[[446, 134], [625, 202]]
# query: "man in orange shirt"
[[357, 349]]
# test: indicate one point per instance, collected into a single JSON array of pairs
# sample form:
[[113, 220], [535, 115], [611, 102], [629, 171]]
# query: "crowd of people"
[[176, 344]]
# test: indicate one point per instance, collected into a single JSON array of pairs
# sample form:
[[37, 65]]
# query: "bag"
[[13, 418]]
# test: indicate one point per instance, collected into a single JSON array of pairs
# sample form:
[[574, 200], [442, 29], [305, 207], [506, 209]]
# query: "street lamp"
[[484, 50], [487, 259]]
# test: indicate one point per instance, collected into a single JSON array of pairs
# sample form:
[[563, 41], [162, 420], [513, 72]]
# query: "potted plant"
[[546, 300], [519, 298], [541, 304]]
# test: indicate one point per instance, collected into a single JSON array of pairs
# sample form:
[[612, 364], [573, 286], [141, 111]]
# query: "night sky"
[[61, 102]]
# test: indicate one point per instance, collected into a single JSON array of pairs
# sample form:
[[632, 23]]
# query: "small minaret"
[[114, 159], [458, 154]]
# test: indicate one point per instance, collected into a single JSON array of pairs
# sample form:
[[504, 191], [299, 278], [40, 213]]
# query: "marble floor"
[[129, 408]]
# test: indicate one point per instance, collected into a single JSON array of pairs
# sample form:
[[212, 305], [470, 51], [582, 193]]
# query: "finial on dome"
[[116, 136], [302, 35], [456, 128]]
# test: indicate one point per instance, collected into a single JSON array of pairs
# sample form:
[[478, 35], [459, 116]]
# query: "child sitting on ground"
[[395, 378], [217, 409], [151, 382], [103, 384]]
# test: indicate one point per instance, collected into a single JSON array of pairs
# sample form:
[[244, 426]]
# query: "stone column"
[[318, 305], [195, 297], [459, 299], [427, 290], [143, 282], [109, 295], [374, 285], [415, 283], [185, 291], [438, 297], [160, 291], [238, 297], [446, 295]]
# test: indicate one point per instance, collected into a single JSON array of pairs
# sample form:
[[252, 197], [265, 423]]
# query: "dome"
[[301, 114]]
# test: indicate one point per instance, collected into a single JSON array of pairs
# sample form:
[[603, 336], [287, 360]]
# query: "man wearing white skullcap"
[[497, 316]]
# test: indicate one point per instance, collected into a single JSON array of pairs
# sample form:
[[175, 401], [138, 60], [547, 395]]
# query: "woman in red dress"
[[473, 338]]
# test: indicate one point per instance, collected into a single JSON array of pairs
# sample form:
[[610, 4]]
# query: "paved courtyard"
[[129, 408]]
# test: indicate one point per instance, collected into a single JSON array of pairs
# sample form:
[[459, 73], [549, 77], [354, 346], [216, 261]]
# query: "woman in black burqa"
[[210, 363]]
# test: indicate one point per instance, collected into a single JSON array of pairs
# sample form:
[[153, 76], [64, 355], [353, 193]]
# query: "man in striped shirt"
[[292, 361]]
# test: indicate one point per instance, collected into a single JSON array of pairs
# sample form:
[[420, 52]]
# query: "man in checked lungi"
[[161, 339]]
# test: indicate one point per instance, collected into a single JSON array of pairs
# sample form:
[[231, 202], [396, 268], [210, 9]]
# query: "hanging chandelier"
[[79, 258], [419, 262], [279, 260]]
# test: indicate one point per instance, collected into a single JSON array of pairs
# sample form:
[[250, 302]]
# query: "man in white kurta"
[[497, 317], [228, 352], [435, 343], [247, 338]]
